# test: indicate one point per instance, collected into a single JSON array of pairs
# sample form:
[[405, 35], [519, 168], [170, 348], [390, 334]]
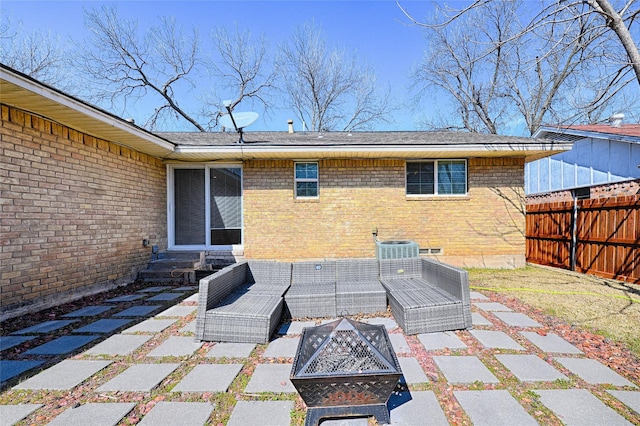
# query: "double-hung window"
[[306, 179], [437, 177]]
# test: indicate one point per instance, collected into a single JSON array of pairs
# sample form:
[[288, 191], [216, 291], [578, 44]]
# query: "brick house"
[[82, 189]]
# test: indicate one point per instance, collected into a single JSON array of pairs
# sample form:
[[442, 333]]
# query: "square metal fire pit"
[[345, 368]]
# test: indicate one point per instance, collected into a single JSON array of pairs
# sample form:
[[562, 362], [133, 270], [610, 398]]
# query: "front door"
[[206, 207]]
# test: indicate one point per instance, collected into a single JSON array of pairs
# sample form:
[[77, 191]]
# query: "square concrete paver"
[[389, 323], [231, 350], [496, 340], [399, 343], [151, 326], [271, 378], [88, 311], [530, 368], [106, 325], [11, 368], [412, 371], [176, 346], [104, 414], [550, 342], [166, 413], [45, 327], [10, 414], [413, 408], [592, 371], [441, 340], [119, 344], [629, 398], [516, 319], [126, 298], [295, 327], [155, 289], [189, 328], [477, 319], [64, 376], [193, 298], [62, 345], [492, 306], [139, 378], [7, 342], [474, 295], [178, 311], [186, 288], [579, 407], [283, 347], [464, 369], [138, 311], [270, 413], [493, 408], [209, 378], [165, 297]]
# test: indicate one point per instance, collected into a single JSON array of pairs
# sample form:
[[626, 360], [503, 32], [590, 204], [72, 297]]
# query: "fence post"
[[574, 233]]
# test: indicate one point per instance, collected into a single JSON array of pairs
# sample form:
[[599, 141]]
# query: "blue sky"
[[377, 30]]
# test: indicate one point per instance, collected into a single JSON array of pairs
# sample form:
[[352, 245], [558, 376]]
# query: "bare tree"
[[328, 88], [242, 71], [124, 66], [35, 54], [501, 63]]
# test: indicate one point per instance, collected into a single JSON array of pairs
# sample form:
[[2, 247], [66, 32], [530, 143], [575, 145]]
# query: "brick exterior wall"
[[74, 210], [608, 190], [484, 228]]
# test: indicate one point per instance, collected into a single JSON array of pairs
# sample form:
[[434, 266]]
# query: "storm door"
[[207, 207]]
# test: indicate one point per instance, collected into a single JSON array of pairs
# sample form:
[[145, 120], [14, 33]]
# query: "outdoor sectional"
[[244, 302]]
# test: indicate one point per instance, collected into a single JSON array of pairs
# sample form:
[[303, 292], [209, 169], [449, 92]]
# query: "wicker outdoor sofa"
[[244, 301]]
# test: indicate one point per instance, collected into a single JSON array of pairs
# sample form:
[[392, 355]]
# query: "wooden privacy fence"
[[593, 236]]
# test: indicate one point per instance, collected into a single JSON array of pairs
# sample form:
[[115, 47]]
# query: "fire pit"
[[345, 368]]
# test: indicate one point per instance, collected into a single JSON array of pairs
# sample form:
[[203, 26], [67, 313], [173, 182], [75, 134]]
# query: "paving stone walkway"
[[134, 360]]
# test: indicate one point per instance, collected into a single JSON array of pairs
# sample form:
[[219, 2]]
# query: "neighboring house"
[[82, 189], [604, 162], [583, 205]]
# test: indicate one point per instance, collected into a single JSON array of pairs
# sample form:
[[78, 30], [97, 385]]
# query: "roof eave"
[[246, 151], [25, 93]]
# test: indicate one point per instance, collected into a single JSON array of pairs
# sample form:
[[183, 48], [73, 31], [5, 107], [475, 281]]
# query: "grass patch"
[[607, 307]]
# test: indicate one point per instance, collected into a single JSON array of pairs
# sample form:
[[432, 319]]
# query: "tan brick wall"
[[486, 227], [74, 211]]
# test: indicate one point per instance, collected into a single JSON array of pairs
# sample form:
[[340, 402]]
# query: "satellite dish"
[[238, 120]]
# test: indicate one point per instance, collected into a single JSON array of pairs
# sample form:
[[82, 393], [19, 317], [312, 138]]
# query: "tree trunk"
[[616, 23]]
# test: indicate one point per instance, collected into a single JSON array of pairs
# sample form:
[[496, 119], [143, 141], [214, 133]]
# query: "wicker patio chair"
[[266, 277], [426, 296], [243, 318], [358, 288], [242, 302], [313, 290]]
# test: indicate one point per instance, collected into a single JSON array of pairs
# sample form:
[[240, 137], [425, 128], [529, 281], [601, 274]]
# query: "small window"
[[306, 180], [437, 177]]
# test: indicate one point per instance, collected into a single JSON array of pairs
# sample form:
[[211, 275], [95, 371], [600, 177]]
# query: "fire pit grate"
[[345, 368]]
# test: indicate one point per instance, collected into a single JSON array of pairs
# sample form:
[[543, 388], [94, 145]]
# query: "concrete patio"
[[133, 360]]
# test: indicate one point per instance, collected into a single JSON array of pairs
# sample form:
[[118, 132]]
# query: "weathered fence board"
[[599, 236]]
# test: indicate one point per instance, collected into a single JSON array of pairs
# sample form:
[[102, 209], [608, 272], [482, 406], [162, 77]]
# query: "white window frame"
[[297, 180], [171, 238], [435, 177]]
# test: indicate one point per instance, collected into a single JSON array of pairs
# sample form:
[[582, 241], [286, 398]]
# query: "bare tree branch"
[[329, 89]]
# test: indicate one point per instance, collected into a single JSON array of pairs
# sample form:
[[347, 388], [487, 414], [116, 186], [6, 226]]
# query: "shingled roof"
[[398, 144]]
